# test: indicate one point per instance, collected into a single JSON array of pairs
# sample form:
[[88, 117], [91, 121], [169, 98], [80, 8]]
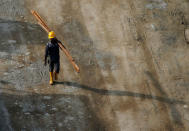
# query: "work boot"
[[51, 78], [55, 76]]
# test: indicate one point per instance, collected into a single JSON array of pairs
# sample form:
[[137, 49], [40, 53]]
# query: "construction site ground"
[[134, 62]]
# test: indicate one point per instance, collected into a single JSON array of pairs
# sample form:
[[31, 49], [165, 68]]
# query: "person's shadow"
[[122, 93]]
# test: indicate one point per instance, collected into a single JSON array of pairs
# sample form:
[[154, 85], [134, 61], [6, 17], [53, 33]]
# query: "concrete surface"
[[133, 57]]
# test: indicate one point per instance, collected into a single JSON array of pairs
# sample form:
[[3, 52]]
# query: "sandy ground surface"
[[133, 56]]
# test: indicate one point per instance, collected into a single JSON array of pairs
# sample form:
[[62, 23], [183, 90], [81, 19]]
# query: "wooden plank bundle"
[[62, 47]]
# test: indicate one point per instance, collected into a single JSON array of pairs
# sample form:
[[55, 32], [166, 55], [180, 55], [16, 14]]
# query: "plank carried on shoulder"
[[62, 47]]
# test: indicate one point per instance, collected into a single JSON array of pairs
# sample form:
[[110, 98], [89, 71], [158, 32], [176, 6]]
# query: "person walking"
[[52, 56]]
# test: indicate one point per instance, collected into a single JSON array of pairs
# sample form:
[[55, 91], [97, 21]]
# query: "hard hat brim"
[[51, 37]]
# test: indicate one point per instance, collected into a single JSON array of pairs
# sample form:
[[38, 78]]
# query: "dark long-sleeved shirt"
[[52, 50]]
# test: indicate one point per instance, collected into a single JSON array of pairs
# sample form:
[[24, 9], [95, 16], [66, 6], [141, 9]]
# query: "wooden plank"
[[62, 47]]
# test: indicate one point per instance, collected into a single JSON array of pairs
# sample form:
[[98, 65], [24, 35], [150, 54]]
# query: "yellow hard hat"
[[52, 35]]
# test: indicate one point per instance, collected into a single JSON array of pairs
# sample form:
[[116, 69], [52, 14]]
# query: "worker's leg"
[[51, 68], [57, 69]]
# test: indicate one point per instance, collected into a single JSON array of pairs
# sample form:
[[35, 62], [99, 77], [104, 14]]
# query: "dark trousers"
[[54, 64]]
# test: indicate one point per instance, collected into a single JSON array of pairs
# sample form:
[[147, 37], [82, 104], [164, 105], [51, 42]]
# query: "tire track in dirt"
[[120, 105], [152, 73], [100, 83], [101, 25]]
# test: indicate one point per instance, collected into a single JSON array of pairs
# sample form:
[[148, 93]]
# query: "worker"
[[52, 52]]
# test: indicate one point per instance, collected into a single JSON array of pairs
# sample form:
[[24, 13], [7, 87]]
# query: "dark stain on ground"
[[22, 32], [169, 38], [49, 112], [4, 82]]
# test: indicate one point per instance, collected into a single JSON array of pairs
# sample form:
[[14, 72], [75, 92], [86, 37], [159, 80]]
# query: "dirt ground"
[[133, 56]]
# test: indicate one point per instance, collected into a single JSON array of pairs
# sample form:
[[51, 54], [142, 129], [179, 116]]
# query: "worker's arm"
[[46, 54]]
